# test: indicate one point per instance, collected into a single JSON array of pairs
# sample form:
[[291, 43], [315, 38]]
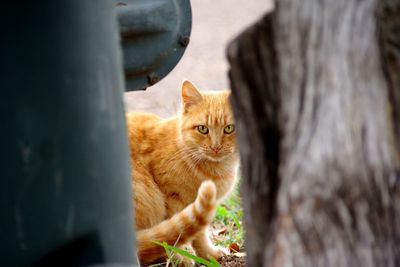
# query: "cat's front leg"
[[204, 248]]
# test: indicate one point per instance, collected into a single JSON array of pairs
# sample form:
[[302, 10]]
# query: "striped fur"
[[181, 227], [171, 160]]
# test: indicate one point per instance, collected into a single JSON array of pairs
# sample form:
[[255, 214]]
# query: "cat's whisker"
[[178, 154], [177, 158], [194, 160], [190, 165], [177, 167]]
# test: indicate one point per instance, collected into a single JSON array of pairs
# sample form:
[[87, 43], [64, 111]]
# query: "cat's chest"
[[183, 183]]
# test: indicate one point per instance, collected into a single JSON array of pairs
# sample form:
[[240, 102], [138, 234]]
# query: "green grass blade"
[[237, 222], [212, 263]]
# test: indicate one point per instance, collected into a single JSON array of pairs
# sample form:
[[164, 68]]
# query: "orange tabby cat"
[[181, 167]]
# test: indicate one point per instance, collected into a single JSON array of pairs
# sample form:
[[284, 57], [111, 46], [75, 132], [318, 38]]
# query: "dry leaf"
[[221, 231], [234, 247]]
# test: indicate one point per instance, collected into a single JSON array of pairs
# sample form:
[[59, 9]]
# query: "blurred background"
[[215, 24]]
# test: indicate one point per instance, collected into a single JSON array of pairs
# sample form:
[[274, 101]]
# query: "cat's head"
[[207, 123]]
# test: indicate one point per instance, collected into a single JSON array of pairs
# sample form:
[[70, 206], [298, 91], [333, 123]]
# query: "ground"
[[233, 260], [215, 23]]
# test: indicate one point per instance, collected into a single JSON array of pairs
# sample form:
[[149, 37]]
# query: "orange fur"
[[171, 160]]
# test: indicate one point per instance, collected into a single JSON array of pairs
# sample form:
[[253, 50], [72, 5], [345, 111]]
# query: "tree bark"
[[316, 96]]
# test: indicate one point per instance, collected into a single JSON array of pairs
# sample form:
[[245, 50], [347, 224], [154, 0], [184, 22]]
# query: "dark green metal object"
[[65, 180], [155, 34]]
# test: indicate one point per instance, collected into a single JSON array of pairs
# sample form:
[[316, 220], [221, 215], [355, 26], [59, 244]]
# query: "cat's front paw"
[[217, 252], [181, 261]]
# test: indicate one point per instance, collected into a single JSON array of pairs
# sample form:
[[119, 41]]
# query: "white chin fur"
[[215, 159]]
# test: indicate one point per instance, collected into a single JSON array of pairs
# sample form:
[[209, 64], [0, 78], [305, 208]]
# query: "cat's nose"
[[216, 149]]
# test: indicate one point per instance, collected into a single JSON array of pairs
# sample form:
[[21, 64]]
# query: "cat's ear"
[[190, 95]]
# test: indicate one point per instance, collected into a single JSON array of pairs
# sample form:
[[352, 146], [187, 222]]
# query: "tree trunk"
[[316, 95]]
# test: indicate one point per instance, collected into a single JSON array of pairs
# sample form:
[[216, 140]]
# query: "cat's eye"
[[229, 129], [202, 129]]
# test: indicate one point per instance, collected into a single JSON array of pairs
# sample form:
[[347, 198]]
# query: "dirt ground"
[[215, 23], [233, 260]]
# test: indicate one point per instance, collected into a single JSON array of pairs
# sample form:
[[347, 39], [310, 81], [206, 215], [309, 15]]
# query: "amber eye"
[[202, 129], [229, 129]]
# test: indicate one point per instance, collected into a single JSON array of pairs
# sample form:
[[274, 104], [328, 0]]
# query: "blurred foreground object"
[[65, 174], [154, 36], [316, 95]]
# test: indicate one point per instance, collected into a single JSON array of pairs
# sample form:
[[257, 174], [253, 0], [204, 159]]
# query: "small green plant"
[[229, 215], [168, 249]]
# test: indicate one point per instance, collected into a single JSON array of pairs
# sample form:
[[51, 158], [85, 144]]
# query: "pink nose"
[[216, 149]]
